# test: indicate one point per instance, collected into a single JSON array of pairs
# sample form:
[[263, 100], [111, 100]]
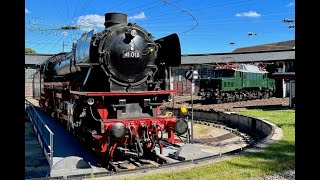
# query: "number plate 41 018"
[[131, 54]]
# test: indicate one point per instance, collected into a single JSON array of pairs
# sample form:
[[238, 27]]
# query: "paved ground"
[[36, 165], [217, 145]]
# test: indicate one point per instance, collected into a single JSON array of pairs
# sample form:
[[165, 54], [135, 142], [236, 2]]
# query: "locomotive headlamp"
[[181, 126], [133, 33], [90, 101], [130, 34]]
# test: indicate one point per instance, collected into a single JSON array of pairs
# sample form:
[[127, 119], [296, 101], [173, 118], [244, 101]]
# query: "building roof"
[[284, 45], [35, 58], [238, 57], [250, 68]]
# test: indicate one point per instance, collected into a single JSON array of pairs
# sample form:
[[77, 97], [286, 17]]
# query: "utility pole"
[[191, 75], [195, 75], [192, 87], [63, 46]]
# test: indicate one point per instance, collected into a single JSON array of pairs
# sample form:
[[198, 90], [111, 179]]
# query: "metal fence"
[[184, 87], [43, 132]]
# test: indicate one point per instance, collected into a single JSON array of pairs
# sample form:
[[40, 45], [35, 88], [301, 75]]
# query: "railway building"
[[30, 67], [275, 57]]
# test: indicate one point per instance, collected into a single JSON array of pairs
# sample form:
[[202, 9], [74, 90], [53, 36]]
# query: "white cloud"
[[64, 33], [91, 21], [95, 21], [248, 14], [26, 10], [292, 4], [137, 16]]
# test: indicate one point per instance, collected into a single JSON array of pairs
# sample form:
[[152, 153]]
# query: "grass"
[[276, 158]]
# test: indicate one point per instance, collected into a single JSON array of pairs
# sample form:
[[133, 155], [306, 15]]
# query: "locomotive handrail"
[[39, 125]]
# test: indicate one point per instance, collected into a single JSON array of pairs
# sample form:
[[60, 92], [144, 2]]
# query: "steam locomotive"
[[109, 88]]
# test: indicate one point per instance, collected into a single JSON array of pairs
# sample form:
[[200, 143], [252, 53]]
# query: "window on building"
[[29, 74]]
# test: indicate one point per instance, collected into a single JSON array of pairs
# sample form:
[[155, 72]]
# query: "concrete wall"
[[28, 90], [29, 72], [292, 93], [253, 126]]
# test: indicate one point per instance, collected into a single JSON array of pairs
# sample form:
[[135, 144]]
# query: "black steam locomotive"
[[109, 88]]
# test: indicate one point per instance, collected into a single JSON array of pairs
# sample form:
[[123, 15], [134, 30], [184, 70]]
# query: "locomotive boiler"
[[109, 88]]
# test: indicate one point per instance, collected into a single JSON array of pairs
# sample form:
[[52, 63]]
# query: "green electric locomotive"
[[237, 83]]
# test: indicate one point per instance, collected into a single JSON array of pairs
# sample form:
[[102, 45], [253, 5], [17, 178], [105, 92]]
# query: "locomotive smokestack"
[[114, 18]]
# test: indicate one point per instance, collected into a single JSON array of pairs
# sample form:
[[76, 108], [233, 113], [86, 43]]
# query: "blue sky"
[[204, 26]]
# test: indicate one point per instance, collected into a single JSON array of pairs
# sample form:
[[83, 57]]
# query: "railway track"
[[158, 161], [134, 164], [233, 133]]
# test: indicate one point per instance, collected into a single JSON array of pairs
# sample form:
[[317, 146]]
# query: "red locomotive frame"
[[142, 131]]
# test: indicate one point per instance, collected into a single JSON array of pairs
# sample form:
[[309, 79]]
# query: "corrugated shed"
[[238, 57], [36, 58], [284, 45]]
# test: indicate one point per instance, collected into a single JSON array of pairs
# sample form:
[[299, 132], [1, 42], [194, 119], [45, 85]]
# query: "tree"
[[29, 50]]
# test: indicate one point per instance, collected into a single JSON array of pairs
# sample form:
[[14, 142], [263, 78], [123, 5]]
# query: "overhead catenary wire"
[[211, 20], [170, 18], [54, 46], [145, 9], [195, 9], [117, 5], [74, 12], [193, 18], [44, 43], [85, 6], [154, 20], [166, 22], [146, 4], [45, 40], [57, 9], [50, 30], [49, 40], [243, 22], [68, 11]]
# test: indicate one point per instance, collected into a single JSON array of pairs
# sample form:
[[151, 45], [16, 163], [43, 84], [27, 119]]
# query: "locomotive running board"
[[138, 93]]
